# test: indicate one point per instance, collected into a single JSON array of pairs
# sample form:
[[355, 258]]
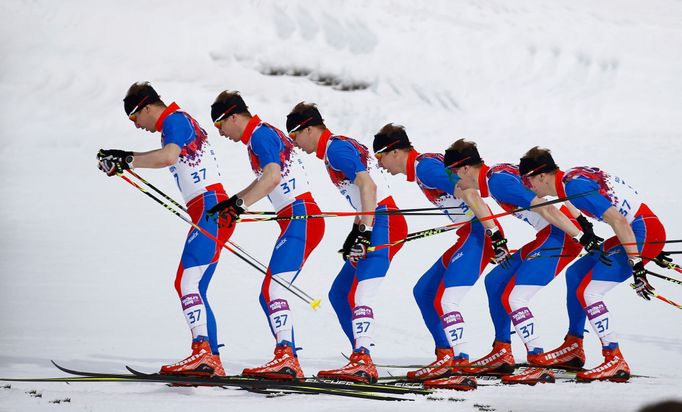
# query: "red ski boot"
[[360, 368], [614, 368], [439, 368], [284, 366], [570, 355], [200, 363], [500, 361], [530, 376], [459, 383]]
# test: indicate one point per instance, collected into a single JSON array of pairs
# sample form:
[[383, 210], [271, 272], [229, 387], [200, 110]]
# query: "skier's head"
[[462, 159], [391, 147], [305, 126], [537, 170], [230, 114], [143, 106]]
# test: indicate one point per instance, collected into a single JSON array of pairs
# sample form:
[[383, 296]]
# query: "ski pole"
[[397, 211], [314, 303], [441, 229], [662, 298], [654, 242], [676, 281], [670, 265], [413, 212], [341, 214], [668, 301], [568, 255], [184, 209]]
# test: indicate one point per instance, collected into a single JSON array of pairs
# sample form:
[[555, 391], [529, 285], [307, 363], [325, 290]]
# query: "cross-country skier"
[[186, 151], [280, 175], [511, 287], [440, 290], [352, 171], [639, 238]]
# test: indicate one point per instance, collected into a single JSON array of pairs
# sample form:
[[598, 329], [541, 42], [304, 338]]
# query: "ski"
[[567, 371], [562, 374], [309, 385], [312, 381], [69, 379], [271, 391]]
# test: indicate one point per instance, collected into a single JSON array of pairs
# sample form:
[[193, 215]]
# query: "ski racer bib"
[[505, 186], [266, 144], [344, 158], [197, 166], [428, 171], [607, 191]]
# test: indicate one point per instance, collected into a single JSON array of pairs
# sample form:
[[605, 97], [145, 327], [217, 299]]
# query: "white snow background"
[[87, 262]]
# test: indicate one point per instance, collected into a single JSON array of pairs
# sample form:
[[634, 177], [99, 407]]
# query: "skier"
[[511, 287], [352, 171], [186, 151], [440, 290], [281, 176], [639, 238]]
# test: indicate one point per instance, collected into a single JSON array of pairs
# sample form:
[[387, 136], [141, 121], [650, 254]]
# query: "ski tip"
[[137, 372], [58, 366], [315, 304]]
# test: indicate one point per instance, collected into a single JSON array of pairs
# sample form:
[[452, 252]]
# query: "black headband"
[[465, 157], [133, 103], [300, 120], [542, 164], [396, 139], [225, 108]]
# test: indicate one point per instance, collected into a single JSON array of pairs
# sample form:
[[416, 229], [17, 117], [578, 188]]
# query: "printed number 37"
[[285, 186], [361, 327]]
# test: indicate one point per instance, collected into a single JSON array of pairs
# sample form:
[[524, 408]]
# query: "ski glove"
[[593, 246], [585, 225], [664, 260], [359, 249], [591, 242], [641, 285], [227, 210], [499, 247], [114, 161], [350, 240], [121, 154]]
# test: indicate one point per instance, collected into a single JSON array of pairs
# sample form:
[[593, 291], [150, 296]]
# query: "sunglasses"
[[298, 129], [525, 178], [218, 122], [133, 113], [381, 152]]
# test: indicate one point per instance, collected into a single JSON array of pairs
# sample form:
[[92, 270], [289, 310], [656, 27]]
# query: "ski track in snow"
[[87, 263]]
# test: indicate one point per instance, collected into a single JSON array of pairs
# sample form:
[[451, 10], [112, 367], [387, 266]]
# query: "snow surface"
[[87, 263]]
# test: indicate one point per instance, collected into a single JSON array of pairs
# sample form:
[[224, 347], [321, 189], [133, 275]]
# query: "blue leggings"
[[461, 265], [536, 263]]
